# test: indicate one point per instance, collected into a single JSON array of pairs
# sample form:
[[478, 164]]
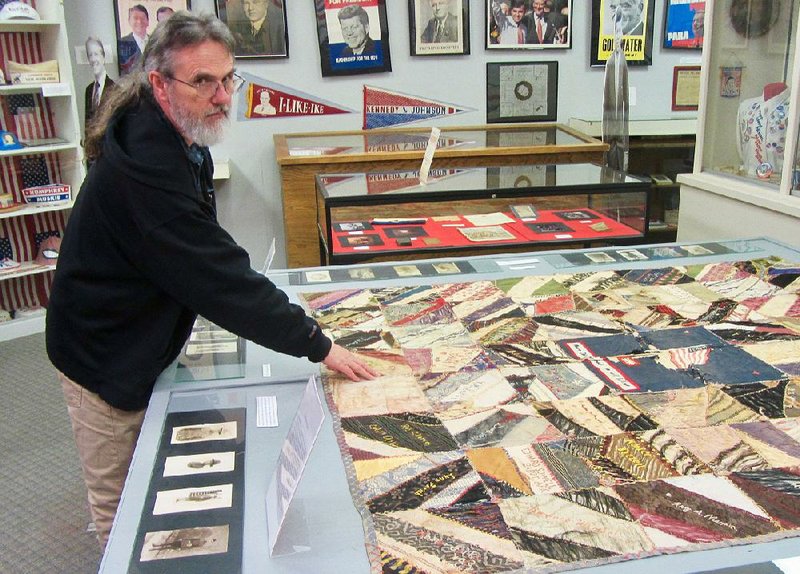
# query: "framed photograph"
[[685, 88], [683, 24], [521, 92], [528, 25], [637, 18], [439, 27], [353, 37], [136, 20], [258, 27]]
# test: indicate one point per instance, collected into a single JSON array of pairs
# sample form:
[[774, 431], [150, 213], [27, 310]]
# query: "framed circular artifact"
[[753, 19]]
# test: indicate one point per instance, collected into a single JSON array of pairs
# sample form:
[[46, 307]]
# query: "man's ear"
[[159, 85]]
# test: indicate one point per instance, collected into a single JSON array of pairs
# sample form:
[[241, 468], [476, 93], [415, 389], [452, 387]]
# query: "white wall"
[[250, 202]]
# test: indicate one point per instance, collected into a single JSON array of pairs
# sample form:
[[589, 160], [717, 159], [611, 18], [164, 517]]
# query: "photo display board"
[[192, 516]]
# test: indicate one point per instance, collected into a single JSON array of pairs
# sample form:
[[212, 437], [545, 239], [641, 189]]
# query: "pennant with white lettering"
[[262, 99], [384, 108]]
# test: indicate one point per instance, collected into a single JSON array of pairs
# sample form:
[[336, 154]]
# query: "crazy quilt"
[[553, 422]]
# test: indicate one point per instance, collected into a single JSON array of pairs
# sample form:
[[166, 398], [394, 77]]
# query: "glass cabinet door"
[[749, 88]]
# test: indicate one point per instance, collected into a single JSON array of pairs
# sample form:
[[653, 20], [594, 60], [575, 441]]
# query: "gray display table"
[[323, 530]]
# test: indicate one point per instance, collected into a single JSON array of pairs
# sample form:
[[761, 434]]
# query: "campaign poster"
[[635, 20], [684, 24], [353, 37]]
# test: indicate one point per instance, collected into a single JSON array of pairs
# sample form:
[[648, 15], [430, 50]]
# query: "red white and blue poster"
[[262, 99], [353, 37], [683, 24], [384, 108]]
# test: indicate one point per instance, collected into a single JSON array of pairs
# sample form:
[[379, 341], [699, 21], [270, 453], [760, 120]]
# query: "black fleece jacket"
[[142, 255]]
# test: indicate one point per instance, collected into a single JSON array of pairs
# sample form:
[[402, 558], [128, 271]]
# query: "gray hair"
[[181, 30]]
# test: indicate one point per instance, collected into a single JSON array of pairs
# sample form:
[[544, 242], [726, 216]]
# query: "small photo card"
[[575, 215], [412, 231], [524, 211], [600, 257], [407, 271], [366, 240], [632, 254], [361, 273], [184, 542], [347, 226], [199, 463], [193, 499], [554, 227], [204, 432]]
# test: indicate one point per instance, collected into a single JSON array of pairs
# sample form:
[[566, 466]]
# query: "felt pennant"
[[262, 99], [384, 108]]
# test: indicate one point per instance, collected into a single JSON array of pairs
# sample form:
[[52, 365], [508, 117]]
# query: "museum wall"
[[250, 201]]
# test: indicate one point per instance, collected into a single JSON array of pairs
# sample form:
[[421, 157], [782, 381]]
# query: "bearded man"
[[143, 254]]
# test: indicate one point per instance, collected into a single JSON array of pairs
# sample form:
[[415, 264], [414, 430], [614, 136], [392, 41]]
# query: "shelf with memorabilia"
[[746, 176], [302, 156], [41, 159], [459, 211]]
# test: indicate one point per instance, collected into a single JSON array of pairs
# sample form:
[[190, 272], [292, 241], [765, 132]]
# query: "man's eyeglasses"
[[206, 88]]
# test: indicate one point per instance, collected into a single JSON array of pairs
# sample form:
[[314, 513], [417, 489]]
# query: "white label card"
[[267, 411]]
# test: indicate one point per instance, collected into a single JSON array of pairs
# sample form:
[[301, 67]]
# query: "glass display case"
[[749, 91], [302, 156], [393, 215]]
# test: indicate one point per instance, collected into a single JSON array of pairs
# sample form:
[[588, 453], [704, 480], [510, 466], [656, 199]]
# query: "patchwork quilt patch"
[[557, 422]]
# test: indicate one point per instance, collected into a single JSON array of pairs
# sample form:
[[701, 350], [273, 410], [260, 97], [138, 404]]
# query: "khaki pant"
[[105, 438]]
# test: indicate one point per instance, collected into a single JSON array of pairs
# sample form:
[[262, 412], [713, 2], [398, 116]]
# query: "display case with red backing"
[[395, 215]]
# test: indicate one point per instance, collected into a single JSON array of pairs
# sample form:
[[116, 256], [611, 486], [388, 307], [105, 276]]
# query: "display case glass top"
[[393, 214], [293, 147], [747, 105], [479, 180]]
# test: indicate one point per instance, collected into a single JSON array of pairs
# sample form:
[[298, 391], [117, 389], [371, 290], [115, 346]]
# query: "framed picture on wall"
[[136, 20], [636, 20], [353, 37], [683, 24], [521, 92], [258, 27], [439, 27], [528, 25], [685, 88]]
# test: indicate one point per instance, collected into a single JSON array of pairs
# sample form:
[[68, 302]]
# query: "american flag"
[[5, 248], [42, 235], [34, 171], [29, 117]]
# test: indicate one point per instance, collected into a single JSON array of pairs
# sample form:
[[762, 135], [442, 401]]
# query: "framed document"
[[685, 88], [439, 27], [521, 92]]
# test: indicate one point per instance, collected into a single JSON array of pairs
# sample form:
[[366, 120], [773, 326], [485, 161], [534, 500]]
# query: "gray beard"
[[197, 129]]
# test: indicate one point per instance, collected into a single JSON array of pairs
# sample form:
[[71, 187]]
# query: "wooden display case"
[[380, 216], [301, 156]]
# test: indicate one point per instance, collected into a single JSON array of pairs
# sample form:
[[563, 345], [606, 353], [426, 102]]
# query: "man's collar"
[[256, 27]]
